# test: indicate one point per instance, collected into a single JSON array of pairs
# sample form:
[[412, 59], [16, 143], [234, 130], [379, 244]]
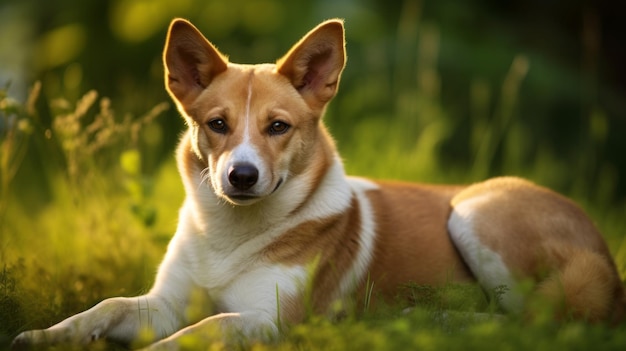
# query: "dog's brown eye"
[[278, 127], [218, 125]]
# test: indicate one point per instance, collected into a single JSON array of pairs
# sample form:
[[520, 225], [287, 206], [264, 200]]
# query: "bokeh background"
[[546, 77], [434, 91]]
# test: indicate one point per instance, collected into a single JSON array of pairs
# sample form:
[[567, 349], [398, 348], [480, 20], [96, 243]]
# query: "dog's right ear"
[[190, 61]]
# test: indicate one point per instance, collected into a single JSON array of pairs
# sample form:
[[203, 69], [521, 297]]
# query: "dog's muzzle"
[[243, 176], [244, 184]]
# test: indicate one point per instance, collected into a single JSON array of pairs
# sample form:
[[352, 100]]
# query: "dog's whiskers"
[[205, 176]]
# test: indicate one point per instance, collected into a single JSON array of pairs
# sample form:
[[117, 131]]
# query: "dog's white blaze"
[[246, 152], [486, 264], [246, 131]]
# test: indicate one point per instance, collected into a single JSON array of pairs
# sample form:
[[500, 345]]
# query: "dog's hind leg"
[[510, 231], [487, 264]]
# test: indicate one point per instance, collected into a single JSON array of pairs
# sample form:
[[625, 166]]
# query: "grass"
[[100, 212]]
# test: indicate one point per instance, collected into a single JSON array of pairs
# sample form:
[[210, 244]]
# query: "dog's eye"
[[278, 127], [218, 125]]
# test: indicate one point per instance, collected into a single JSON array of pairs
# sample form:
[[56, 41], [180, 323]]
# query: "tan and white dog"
[[272, 223]]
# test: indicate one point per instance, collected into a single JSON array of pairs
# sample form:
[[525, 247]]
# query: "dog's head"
[[254, 126]]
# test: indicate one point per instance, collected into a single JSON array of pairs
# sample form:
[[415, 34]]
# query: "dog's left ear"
[[191, 62], [314, 64]]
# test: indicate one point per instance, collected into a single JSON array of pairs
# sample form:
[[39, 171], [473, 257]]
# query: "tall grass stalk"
[[89, 141], [488, 133], [16, 125]]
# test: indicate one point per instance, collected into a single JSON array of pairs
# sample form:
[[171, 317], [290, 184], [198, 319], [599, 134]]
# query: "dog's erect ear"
[[190, 61], [315, 63]]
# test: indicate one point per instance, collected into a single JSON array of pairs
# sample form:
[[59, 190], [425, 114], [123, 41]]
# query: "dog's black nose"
[[243, 176]]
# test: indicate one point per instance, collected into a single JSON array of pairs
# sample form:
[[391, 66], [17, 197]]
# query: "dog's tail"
[[586, 286]]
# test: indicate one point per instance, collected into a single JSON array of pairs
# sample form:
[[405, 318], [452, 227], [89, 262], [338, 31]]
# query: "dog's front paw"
[[38, 339], [21, 342], [32, 339]]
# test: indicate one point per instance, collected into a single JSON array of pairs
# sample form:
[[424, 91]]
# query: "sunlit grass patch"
[[94, 217]]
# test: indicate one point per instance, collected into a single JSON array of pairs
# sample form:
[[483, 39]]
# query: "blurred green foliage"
[[436, 91]]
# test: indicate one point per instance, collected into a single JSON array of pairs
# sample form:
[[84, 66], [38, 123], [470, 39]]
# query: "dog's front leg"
[[119, 319], [231, 329]]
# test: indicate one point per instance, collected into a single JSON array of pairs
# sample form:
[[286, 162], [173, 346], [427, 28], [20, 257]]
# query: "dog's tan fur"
[[271, 223]]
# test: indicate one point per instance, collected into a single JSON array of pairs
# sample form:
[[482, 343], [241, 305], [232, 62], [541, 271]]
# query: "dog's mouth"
[[247, 198], [243, 197], [278, 184]]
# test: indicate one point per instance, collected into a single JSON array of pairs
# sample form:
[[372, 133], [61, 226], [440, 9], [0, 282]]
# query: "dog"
[[272, 228]]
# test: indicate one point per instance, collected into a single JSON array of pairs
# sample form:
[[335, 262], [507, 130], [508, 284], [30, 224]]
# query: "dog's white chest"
[[236, 281], [231, 268], [263, 287]]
